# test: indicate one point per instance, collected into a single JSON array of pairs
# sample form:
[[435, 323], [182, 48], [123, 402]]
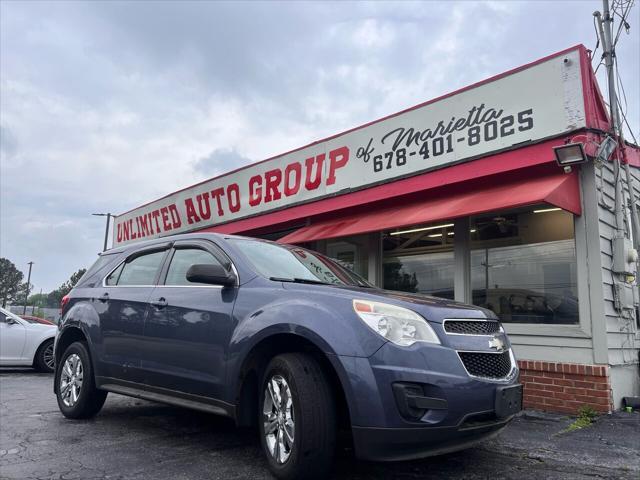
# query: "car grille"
[[470, 327], [487, 365]]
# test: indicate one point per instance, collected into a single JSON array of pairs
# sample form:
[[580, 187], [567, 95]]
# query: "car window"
[[141, 270], [113, 277], [183, 259], [102, 261], [277, 261], [6, 313]]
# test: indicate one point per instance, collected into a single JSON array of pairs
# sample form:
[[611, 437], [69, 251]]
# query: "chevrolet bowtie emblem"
[[497, 343]]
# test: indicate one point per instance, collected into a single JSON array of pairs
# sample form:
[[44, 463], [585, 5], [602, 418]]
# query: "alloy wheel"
[[71, 380], [278, 418], [47, 356]]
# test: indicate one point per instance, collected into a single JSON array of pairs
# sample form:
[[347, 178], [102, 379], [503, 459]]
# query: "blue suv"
[[285, 339]]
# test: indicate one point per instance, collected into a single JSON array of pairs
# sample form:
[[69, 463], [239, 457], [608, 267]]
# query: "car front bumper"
[[443, 409], [398, 444]]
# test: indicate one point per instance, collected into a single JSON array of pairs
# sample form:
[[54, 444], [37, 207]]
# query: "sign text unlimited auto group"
[[534, 103]]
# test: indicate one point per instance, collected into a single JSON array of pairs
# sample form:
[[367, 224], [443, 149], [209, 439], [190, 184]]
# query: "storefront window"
[[420, 260], [350, 252], [523, 265]]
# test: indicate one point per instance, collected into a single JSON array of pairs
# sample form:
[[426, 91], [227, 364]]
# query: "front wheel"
[[76, 390], [297, 418]]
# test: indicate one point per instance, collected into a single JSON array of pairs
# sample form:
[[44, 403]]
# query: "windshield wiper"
[[299, 280]]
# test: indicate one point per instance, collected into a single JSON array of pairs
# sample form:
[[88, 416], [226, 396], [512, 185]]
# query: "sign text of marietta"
[[265, 188]]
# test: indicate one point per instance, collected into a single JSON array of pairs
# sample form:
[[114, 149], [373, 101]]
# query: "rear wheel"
[[76, 390], [44, 360], [297, 418]]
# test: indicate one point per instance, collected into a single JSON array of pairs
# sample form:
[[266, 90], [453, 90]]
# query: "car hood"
[[434, 309]]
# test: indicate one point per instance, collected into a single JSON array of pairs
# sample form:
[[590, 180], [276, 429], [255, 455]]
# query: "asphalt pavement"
[[135, 439]]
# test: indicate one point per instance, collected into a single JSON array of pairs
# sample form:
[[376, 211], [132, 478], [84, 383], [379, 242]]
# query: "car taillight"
[[63, 303]]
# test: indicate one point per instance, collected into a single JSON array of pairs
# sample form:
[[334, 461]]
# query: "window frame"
[[545, 333], [205, 245], [463, 288], [7, 313], [164, 247]]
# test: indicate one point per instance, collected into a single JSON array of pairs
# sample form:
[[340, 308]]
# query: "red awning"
[[560, 190]]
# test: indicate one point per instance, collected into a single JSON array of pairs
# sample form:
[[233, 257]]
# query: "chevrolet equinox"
[[288, 340]]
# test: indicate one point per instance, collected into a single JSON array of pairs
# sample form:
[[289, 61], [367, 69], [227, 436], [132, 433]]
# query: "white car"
[[26, 344]]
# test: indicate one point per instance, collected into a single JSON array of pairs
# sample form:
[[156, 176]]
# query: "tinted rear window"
[[102, 261], [141, 270]]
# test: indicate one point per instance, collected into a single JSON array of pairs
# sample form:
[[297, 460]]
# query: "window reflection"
[[350, 252], [428, 273], [523, 266], [420, 260]]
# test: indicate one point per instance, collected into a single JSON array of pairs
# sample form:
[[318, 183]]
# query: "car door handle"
[[160, 303], [104, 297]]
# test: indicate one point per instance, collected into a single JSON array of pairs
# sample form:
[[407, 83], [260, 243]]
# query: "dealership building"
[[464, 197]]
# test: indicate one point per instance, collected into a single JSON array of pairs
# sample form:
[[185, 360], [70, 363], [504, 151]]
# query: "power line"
[[623, 20], [619, 82], [601, 63], [621, 87], [624, 117], [595, 49]]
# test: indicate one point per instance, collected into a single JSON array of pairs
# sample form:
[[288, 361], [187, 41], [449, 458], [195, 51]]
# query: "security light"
[[570, 154]]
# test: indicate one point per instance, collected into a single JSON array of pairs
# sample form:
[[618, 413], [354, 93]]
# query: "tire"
[[44, 360], [88, 399], [311, 420]]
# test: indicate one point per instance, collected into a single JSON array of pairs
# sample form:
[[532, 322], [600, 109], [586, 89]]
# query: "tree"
[[55, 297], [66, 287], [22, 293], [10, 281], [37, 299], [396, 279], [75, 278]]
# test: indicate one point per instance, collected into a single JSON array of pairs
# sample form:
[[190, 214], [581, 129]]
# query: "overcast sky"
[[107, 105]]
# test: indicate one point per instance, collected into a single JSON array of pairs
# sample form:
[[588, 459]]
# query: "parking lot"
[[135, 439]]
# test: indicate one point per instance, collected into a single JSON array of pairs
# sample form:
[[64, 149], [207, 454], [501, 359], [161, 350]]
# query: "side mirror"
[[10, 320], [211, 274]]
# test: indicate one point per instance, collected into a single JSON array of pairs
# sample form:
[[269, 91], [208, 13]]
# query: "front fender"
[[331, 325], [34, 343]]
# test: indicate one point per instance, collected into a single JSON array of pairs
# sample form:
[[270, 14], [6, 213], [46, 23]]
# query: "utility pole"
[[605, 24], [106, 230], [26, 295]]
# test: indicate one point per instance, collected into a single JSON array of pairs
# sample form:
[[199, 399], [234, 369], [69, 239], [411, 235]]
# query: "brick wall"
[[565, 387]]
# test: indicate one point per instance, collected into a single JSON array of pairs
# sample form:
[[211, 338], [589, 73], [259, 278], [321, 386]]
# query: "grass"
[[586, 416]]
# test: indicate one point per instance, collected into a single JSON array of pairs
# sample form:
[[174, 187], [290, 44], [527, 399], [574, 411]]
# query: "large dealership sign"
[[536, 102]]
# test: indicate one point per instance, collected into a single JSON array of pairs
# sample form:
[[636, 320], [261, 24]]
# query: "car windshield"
[[294, 264]]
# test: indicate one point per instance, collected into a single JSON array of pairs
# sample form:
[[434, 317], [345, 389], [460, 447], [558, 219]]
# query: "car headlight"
[[398, 325]]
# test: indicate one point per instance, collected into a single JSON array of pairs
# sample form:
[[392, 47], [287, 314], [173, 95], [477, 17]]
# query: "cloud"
[[108, 105], [8, 143], [220, 161]]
